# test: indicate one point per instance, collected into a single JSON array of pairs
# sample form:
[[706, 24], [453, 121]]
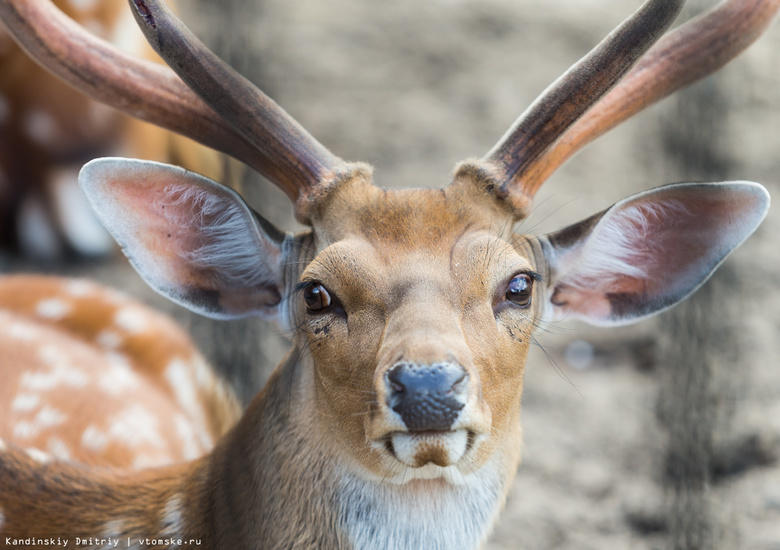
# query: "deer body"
[[394, 421]]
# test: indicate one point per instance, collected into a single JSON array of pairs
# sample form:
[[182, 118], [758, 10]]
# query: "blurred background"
[[665, 434]]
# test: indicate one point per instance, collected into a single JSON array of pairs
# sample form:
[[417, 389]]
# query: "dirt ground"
[[415, 86]]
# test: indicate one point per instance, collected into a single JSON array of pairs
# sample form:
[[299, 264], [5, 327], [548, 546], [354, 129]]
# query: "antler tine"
[[569, 97], [298, 163], [140, 88], [693, 51]]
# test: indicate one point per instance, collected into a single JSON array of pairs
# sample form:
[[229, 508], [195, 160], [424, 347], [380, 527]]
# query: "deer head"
[[411, 310]]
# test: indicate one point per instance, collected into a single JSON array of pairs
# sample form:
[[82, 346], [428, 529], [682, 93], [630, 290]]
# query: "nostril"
[[461, 384], [394, 378]]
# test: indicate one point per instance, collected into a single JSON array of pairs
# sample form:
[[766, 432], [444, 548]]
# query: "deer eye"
[[520, 289], [317, 297]]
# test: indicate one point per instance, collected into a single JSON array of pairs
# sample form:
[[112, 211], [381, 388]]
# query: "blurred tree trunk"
[[699, 342], [247, 350]]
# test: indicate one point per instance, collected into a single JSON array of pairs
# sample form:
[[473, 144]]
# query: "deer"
[[394, 420], [49, 130]]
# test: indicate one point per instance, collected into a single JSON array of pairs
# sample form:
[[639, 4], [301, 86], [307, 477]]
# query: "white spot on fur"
[[108, 339], [60, 372], [41, 127], [23, 332], [171, 524], [3, 446], [58, 448], [131, 319], [178, 373], [118, 375], [25, 402], [24, 430], [53, 308], [135, 426], [79, 288], [186, 433], [37, 455], [44, 419], [94, 439]]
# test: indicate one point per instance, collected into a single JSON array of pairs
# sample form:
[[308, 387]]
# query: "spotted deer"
[[394, 420], [48, 130]]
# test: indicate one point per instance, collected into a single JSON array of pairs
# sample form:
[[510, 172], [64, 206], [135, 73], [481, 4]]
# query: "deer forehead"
[[427, 264]]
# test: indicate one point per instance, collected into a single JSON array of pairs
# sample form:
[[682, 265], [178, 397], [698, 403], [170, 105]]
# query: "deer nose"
[[427, 397]]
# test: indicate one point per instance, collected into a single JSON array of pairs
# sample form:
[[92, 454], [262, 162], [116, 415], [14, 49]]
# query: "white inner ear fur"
[[229, 240], [622, 245]]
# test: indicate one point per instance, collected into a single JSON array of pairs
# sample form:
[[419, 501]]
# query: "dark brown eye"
[[316, 297], [520, 289]]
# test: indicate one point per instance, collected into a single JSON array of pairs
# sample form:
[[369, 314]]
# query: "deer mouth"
[[441, 448]]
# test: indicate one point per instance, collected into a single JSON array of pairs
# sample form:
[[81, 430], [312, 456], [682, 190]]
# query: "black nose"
[[428, 397]]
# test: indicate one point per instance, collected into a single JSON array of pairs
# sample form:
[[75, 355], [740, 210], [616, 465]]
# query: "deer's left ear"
[[190, 238], [648, 252]]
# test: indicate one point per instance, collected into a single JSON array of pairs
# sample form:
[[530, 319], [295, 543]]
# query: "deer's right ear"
[[190, 238]]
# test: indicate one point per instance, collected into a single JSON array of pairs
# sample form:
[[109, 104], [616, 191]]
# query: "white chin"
[[437, 448]]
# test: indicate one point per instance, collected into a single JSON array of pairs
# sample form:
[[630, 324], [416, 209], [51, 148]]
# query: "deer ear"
[[190, 238], [648, 252]]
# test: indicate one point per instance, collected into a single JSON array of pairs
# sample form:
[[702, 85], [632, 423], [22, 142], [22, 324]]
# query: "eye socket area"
[[519, 289]]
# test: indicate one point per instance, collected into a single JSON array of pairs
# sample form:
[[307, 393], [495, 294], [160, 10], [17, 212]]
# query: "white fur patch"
[[131, 319], [135, 426], [37, 455], [23, 332], [60, 372], [3, 446], [26, 402], [118, 375], [171, 523], [431, 514], [44, 419], [179, 376], [94, 439], [53, 308], [48, 417], [58, 448], [187, 437], [79, 288], [109, 339]]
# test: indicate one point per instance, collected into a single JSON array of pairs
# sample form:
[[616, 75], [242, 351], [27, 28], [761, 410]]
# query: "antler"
[[272, 143], [585, 103], [693, 51]]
